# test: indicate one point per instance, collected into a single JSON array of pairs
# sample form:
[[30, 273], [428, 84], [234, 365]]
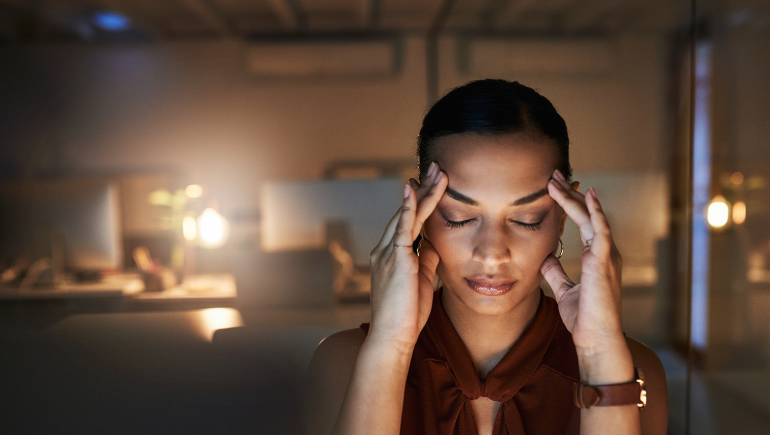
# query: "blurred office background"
[[189, 190]]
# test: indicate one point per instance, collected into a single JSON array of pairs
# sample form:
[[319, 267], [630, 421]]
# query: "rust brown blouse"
[[533, 380]]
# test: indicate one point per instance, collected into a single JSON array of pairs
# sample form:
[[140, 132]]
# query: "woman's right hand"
[[402, 282]]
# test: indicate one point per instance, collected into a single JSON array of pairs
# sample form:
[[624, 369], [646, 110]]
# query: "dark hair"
[[493, 107]]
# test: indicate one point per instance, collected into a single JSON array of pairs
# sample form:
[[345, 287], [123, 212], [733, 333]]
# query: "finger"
[[403, 236], [554, 274], [428, 202], [559, 178], [415, 185], [602, 241], [390, 229], [427, 181], [429, 260], [419, 189], [575, 209], [430, 173]]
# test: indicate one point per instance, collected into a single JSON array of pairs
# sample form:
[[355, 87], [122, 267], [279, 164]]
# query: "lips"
[[490, 286]]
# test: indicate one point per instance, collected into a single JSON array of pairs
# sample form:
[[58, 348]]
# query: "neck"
[[489, 336]]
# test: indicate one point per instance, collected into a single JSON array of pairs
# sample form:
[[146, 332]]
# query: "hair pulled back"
[[493, 106]]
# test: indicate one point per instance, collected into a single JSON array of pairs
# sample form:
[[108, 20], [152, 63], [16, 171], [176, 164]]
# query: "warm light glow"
[[194, 191], [736, 178], [160, 197], [212, 319], [189, 228], [212, 228], [739, 212], [718, 212]]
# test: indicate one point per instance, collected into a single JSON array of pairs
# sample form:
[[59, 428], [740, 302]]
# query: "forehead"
[[508, 164]]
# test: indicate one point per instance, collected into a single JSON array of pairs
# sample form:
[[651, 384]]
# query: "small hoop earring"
[[417, 244], [561, 249]]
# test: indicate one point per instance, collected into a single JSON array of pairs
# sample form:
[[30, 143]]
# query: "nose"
[[491, 247]]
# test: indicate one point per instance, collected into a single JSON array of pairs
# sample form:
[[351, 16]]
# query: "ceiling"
[[57, 20]]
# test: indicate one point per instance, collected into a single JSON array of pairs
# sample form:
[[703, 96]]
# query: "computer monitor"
[[79, 218], [296, 214]]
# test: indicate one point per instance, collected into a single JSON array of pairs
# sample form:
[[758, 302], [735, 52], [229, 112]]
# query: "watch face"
[[642, 391]]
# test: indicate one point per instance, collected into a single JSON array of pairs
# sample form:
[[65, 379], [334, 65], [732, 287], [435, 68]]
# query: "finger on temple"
[[575, 209], [418, 189], [403, 236], [428, 203], [554, 274], [570, 191], [602, 241], [427, 181]]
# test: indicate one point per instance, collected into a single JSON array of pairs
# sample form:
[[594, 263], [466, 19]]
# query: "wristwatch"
[[628, 393]]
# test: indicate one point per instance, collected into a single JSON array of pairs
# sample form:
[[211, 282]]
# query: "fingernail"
[[438, 176], [431, 168], [560, 175], [406, 191]]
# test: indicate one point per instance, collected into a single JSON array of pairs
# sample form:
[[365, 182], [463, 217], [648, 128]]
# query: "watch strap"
[[627, 393]]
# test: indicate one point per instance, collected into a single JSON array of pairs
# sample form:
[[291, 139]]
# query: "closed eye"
[[534, 227], [457, 224]]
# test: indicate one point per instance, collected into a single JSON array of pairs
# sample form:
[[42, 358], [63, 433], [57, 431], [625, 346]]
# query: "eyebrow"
[[532, 197]]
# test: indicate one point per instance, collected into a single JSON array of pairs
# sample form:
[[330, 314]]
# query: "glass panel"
[[731, 374]]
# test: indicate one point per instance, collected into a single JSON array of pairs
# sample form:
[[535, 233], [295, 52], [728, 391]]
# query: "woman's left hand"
[[590, 310]]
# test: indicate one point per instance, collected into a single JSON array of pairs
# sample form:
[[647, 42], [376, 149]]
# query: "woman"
[[488, 353]]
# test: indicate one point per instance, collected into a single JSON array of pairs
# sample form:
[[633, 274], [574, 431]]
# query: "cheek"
[[543, 241], [454, 246], [446, 240]]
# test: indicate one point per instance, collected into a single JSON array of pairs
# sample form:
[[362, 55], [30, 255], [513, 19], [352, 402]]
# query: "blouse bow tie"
[[533, 380]]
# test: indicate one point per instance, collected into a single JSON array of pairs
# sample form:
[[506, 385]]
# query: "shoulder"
[[654, 417], [646, 359], [328, 377], [336, 350]]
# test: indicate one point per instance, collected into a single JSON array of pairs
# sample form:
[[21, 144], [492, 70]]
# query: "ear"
[[576, 187]]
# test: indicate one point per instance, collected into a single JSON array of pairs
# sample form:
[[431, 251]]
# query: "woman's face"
[[496, 222]]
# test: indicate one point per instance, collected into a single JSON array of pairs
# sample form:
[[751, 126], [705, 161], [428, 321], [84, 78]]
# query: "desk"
[[116, 286], [123, 293], [194, 287]]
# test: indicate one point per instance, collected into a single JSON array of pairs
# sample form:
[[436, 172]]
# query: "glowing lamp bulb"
[[718, 212], [212, 228]]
